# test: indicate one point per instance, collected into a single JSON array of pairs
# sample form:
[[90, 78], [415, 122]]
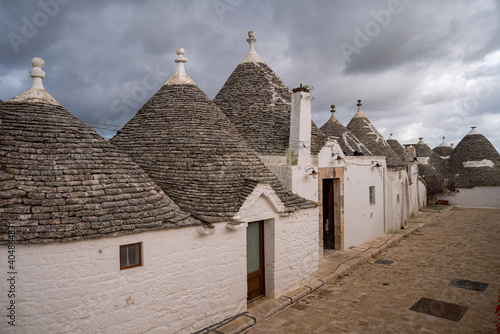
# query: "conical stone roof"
[[364, 130], [444, 149], [347, 140], [426, 156], [475, 161], [258, 103], [61, 181], [191, 149], [397, 147]]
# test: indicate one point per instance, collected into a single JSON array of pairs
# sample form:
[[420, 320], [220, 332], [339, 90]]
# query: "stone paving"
[[376, 298]]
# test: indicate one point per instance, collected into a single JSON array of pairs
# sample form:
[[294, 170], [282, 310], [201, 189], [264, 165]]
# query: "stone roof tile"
[[397, 147], [194, 153], [258, 103], [347, 140], [61, 181], [366, 132], [475, 161]]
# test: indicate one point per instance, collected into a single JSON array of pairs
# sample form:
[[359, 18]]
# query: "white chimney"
[[300, 125]]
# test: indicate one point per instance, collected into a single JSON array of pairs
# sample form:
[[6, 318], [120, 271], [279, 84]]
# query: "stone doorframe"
[[337, 174]]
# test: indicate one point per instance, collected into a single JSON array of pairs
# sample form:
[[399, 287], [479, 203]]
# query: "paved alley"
[[463, 244]]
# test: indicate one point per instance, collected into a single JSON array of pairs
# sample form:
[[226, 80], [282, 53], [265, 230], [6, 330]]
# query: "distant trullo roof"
[[191, 149], [397, 147], [475, 161], [444, 149], [347, 140], [364, 130], [60, 180], [258, 103], [430, 163]]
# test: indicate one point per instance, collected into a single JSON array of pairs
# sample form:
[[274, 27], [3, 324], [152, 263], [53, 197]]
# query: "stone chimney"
[[300, 125]]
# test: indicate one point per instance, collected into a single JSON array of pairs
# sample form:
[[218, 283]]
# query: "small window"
[[131, 255], [372, 195]]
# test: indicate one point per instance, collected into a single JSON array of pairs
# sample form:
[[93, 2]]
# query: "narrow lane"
[[376, 298]]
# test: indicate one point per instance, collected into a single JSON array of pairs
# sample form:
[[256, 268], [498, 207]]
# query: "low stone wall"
[[477, 197]]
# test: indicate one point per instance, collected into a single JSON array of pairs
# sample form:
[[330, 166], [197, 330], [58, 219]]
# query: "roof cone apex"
[[359, 113], [37, 92], [444, 143], [180, 76], [473, 131], [252, 55]]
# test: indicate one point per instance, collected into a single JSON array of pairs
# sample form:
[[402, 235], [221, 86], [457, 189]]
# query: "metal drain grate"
[[440, 309], [468, 285], [384, 262]]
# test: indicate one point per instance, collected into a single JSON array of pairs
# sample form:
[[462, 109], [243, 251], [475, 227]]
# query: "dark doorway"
[[255, 260], [328, 215]]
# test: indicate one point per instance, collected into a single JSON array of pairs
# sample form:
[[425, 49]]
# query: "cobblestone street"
[[377, 297]]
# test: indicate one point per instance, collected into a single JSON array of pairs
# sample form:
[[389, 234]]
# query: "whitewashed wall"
[[478, 197], [363, 221], [291, 241], [413, 187], [296, 178], [422, 193], [188, 281], [397, 207]]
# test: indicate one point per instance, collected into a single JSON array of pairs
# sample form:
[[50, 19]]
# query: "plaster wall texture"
[[297, 179], [413, 189], [187, 281], [396, 203], [477, 197], [291, 244], [300, 127], [363, 221], [422, 194]]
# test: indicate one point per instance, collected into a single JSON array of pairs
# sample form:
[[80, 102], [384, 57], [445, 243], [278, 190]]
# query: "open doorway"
[[328, 214]]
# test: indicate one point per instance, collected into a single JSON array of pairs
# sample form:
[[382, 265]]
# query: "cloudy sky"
[[422, 68]]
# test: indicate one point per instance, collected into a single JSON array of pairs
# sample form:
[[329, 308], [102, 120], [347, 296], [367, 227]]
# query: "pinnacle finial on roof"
[[252, 56], [181, 59], [444, 143], [37, 92], [390, 137], [332, 108], [359, 113], [37, 73], [420, 141], [180, 76]]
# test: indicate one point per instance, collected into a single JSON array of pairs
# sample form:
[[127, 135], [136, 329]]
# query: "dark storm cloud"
[[428, 68]]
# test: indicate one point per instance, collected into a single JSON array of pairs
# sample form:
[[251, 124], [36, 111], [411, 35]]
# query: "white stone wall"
[[477, 197], [422, 193], [291, 244], [297, 179], [187, 282], [363, 221], [397, 206], [414, 190]]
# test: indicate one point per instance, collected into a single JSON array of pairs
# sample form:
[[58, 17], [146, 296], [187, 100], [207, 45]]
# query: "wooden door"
[[328, 215], [255, 260]]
